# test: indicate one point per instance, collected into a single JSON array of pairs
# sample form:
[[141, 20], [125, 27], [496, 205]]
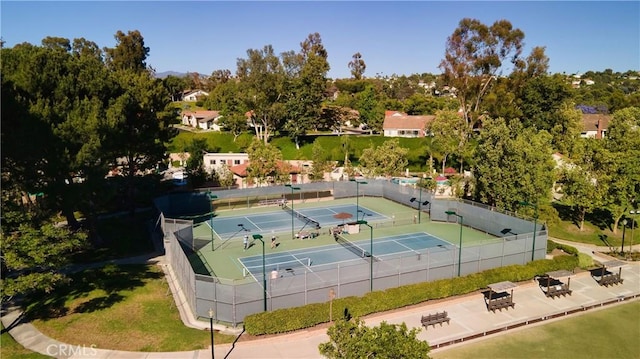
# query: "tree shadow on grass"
[[598, 217], [605, 240], [99, 303], [110, 279], [565, 212]]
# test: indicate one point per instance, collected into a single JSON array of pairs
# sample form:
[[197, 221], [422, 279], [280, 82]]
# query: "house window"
[[212, 162], [236, 162]]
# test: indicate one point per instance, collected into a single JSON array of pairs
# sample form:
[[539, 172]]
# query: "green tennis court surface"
[[389, 219], [280, 221], [392, 246]]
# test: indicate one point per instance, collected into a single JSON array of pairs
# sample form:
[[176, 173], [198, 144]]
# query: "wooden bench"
[[433, 319], [501, 303], [558, 290], [610, 279]]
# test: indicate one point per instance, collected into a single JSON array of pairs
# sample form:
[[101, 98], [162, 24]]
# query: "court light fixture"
[[358, 183], [453, 213], [370, 252], [211, 197], [535, 222], [211, 330], [420, 204], [264, 272]]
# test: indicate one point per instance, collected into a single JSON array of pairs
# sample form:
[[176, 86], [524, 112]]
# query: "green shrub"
[[585, 261], [551, 245], [290, 319]]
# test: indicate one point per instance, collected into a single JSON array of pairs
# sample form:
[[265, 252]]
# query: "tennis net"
[[301, 216], [357, 250], [300, 262]]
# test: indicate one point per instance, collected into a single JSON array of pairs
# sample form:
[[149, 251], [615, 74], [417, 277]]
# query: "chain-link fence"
[[233, 300]]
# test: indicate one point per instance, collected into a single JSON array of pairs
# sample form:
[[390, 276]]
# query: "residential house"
[[398, 124], [206, 120], [178, 159], [594, 125], [214, 161], [242, 179], [194, 95]]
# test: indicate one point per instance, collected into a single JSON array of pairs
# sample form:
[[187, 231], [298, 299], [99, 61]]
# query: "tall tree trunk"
[[582, 214]]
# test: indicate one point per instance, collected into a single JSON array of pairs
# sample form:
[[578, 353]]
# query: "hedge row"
[[551, 245], [290, 319]]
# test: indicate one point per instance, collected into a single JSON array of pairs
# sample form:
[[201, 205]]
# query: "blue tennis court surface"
[[280, 220], [398, 245]]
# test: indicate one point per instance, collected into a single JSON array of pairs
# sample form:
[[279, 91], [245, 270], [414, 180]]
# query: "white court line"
[[250, 221]]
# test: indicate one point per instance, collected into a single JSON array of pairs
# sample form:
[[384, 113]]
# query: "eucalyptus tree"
[[261, 77], [175, 85], [513, 164], [623, 142], [449, 133], [473, 60], [586, 180], [357, 66], [130, 53], [225, 97], [306, 83]]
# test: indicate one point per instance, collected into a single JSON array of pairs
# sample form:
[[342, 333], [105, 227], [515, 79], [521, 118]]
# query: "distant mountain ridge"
[[164, 74]]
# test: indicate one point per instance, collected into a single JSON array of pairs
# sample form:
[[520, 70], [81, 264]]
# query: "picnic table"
[[607, 278], [497, 296], [552, 286]]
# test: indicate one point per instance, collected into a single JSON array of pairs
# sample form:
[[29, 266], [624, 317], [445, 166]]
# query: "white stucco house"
[[398, 124], [194, 95], [206, 120]]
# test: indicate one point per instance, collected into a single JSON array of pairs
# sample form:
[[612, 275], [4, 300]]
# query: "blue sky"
[[393, 37]]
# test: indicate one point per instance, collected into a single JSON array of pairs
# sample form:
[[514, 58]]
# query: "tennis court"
[[280, 221], [345, 250]]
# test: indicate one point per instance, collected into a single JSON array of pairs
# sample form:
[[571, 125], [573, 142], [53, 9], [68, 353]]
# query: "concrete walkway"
[[469, 318]]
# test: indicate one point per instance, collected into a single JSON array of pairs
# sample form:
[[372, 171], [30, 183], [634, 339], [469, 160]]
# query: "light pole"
[[211, 330], [535, 222], [624, 229], [211, 197], [358, 183], [633, 223], [420, 204], [292, 189], [264, 274], [370, 253], [453, 213]]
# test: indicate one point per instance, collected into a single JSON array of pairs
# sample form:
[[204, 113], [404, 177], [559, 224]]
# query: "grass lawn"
[[592, 234], [10, 349], [597, 229], [118, 307], [607, 333]]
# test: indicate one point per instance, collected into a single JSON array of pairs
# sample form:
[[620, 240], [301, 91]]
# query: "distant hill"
[[164, 74]]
